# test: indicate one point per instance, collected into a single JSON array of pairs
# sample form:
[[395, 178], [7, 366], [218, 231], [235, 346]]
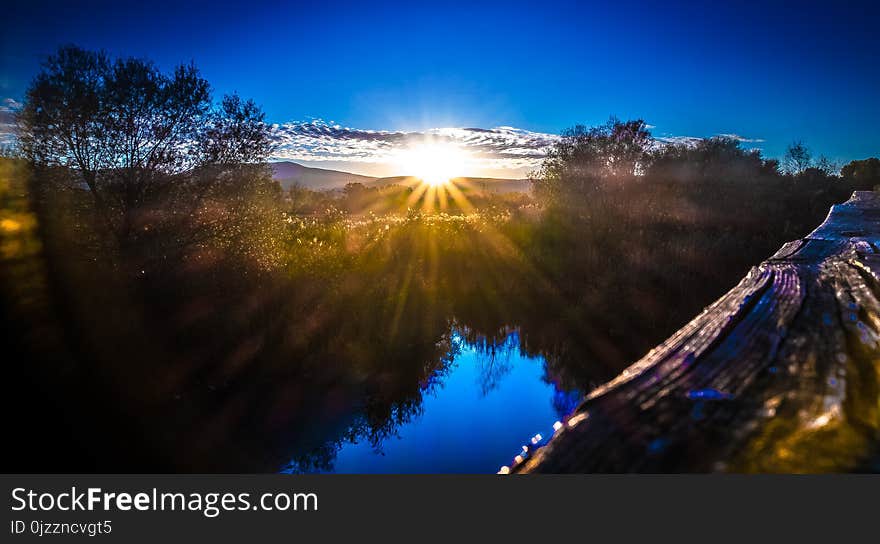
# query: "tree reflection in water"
[[460, 426]]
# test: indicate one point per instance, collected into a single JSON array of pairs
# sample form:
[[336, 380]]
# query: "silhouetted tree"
[[712, 160], [149, 147], [827, 166], [585, 158], [797, 158], [864, 174], [9, 151]]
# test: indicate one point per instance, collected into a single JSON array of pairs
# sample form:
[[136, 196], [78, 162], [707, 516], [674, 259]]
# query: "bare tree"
[[797, 158], [827, 166]]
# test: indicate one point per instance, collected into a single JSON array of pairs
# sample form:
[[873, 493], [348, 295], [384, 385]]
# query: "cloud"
[[504, 148], [8, 108], [677, 140], [694, 140], [10, 104], [743, 139]]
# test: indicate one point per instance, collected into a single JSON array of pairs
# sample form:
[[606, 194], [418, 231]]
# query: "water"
[[490, 400]]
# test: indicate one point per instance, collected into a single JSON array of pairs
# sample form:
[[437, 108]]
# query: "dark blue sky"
[[762, 70]]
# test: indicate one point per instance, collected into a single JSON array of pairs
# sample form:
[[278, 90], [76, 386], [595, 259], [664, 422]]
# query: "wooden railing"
[[781, 374]]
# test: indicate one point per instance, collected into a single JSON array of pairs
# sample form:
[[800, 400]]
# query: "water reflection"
[[489, 397]]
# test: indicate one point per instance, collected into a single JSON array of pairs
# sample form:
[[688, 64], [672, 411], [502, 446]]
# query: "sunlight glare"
[[434, 164]]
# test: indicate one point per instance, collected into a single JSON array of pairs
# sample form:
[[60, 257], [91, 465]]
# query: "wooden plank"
[[781, 374]]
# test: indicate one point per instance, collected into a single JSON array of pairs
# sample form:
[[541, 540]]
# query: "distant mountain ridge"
[[320, 179], [316, 179]]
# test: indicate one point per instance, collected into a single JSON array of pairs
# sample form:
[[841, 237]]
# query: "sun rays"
[[428, 197], [434, 163], [436, 173]]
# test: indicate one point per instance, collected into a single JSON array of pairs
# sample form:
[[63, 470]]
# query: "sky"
[[352, 85]]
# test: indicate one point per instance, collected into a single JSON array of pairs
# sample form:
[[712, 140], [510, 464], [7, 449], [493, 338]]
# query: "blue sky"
[[767, 71]]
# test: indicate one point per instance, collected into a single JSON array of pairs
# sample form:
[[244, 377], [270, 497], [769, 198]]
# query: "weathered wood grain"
[[781, 374]]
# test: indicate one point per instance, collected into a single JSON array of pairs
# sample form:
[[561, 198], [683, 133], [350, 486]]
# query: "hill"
[[320, 179], [316, 179]]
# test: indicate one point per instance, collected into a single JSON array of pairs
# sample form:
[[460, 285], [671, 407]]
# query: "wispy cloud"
[[505, 151], [490, 149], [8, 108], [10, 104], [677, 140], [693, 140], [743, 139]]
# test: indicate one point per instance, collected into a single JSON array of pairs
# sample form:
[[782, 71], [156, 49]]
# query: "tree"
[[863, 174], [797, 158], [827, 166], [586, 158], [9, 151], [137, 139], [708, 161]]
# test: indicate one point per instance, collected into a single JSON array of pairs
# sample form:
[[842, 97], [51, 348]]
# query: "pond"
[[491, 399]]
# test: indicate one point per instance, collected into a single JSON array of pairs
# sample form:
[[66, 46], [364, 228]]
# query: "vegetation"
[[176, 283]]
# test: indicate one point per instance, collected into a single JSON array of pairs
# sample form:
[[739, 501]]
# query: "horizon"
[[322, 166], [351, 89]]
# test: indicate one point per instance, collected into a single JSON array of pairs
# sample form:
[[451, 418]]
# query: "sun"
[[434, 163]]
